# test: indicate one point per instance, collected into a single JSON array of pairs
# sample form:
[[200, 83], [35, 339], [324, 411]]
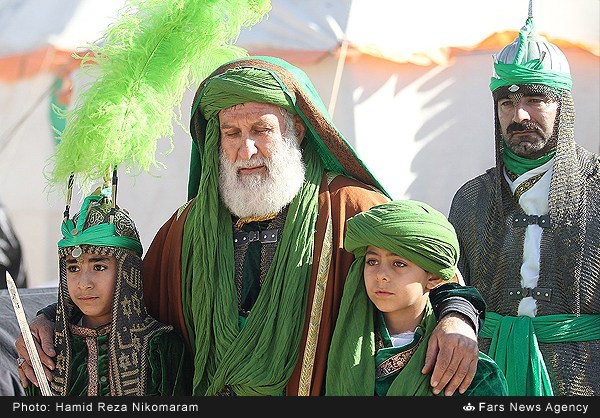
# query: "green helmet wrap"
[[93, 226], [531, 59]]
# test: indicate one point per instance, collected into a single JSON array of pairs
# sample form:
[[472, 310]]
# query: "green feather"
[[152, 53]]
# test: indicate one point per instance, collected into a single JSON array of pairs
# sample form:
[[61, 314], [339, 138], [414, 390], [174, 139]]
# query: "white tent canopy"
[[412, 95]]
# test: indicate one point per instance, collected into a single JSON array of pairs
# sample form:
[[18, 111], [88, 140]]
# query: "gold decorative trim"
[[396, 362], [316, 312], [182, 208], [91, 341], [243, 221], [526, 185]]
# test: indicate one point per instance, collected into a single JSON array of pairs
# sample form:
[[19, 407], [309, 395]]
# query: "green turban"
[[411, 229], [241, 85]]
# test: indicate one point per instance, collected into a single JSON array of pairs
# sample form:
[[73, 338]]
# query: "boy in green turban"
[[403, 250]]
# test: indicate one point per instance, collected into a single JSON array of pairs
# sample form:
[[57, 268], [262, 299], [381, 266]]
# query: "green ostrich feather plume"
[[152, 53]]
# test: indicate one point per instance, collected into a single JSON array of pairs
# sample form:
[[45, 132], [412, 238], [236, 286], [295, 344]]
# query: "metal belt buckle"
[[265, 237], [538, 293], [253, 236], [268, 236], [525, 220], [515, 293], [541, 293]]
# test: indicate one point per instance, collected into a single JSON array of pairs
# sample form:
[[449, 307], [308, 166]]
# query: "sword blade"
[[38, 368]]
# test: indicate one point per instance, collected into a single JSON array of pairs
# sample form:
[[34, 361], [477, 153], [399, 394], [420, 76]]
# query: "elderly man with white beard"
[[251, 269]]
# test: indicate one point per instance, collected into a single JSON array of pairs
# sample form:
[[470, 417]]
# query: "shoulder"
[[348, 191], [167, 340], [472, 191], [166, 334], [590, 162], [483, 181], [175, 222]]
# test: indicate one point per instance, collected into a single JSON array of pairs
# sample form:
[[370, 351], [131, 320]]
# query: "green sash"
[[515, 348]]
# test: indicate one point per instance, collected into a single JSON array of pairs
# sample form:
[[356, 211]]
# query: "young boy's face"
[[395, 284], [91, 283]]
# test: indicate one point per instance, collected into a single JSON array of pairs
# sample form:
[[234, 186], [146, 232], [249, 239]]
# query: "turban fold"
[[241, 85], [410, 229]]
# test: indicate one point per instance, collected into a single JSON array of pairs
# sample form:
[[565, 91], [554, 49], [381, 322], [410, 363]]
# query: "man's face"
[[527, 123], [248, 132], [261, 168]]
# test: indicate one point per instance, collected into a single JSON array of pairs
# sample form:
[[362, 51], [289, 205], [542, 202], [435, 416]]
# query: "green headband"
[[410, 229], [102, 234], [528, 72]]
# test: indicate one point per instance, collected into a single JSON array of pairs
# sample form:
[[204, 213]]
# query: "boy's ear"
[[434, 281]]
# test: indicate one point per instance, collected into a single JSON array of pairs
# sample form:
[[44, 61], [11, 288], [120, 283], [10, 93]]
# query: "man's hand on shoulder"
[[454, 351]]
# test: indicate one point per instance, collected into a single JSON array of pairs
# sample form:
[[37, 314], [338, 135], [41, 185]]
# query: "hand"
[[42, 330], [454, 351]]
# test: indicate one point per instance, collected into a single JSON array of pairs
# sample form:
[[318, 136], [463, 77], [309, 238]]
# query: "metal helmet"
[[99, 213], [531, 59], [100, 223], [537, 47]]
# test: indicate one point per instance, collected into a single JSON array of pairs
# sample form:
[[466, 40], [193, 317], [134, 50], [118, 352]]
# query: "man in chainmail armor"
[[529, 230]]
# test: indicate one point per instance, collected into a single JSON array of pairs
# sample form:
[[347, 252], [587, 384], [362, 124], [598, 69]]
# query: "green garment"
[[488, 379], [352, 365], [168, 374], [515, 348]]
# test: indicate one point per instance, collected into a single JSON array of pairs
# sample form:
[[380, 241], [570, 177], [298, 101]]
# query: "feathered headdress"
[[140, 70]]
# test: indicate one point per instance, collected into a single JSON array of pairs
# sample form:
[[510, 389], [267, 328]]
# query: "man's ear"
[[299, 127], [434, 281]]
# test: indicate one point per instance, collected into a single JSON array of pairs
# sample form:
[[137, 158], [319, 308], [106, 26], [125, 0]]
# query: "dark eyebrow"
[[97, 259]]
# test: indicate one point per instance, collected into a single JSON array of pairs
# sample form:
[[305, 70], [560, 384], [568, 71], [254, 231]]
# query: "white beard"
[[261, 194]]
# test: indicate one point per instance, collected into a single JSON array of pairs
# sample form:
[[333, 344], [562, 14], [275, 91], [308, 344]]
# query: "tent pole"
[[338, 76]]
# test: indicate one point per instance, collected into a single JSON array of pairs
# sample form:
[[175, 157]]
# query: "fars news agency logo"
[[468, 407]]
